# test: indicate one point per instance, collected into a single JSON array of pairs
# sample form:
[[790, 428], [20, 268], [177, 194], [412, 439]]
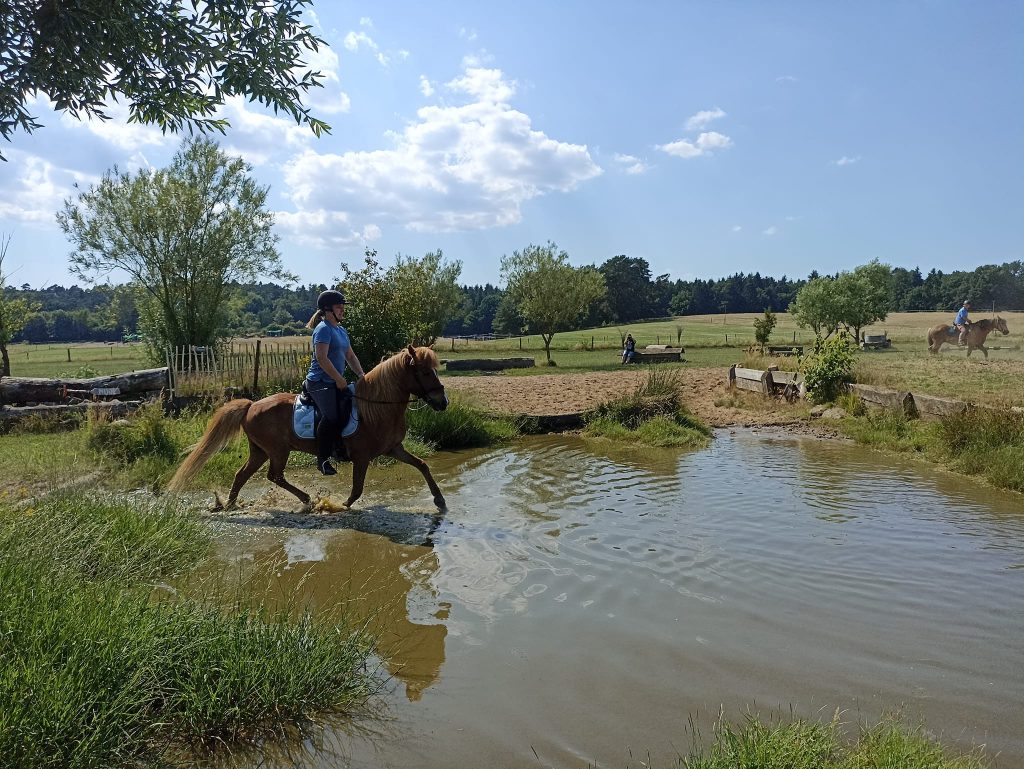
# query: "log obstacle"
[[11, 415], [488, 364], [658, 353], [880, 396], [21, 390]]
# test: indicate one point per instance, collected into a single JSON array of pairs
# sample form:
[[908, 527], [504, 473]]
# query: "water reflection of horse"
[[976, 334], [382, 396]]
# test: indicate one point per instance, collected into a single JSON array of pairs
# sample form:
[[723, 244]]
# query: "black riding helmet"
[[328, 299]]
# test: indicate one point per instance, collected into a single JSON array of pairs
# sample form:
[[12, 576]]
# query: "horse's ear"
[[410, 357]]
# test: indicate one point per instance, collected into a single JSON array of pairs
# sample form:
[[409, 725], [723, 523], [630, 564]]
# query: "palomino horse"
[[976, 335], [382, 397]]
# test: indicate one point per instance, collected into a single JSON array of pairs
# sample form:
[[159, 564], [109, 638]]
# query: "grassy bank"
[[985, 443], [98, 671], [460, 426], [802, 744], [653, 414]]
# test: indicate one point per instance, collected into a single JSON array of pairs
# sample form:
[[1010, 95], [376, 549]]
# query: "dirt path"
[[548, 394]]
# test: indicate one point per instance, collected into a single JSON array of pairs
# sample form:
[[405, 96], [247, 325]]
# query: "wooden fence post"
[[256, 370]]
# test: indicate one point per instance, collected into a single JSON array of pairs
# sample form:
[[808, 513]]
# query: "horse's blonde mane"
[[383, 383]]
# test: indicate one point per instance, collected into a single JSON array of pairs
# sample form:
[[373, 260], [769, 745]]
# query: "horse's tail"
[[224, 426]]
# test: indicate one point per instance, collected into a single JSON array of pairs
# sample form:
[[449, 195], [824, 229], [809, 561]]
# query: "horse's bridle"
[[423, 395]]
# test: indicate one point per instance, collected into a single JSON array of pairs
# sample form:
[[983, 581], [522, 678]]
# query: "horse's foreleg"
[[276, 475], [257, 458], [400, 453], [358, 479]]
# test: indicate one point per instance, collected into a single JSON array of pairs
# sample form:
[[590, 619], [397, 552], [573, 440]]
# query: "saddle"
[[306, 417]]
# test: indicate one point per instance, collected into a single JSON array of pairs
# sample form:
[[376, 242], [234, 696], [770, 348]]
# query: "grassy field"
[[711, 341]]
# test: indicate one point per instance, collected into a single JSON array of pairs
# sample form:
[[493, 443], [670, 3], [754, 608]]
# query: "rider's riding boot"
[[324, 447], [963, 338]]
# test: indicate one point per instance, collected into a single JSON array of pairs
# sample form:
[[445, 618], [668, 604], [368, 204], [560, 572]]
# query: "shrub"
[[460, 426], [828, 368], [147, 434], [763, 327]]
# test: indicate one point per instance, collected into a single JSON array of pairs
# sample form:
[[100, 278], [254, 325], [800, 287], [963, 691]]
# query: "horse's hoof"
[[441, 504]]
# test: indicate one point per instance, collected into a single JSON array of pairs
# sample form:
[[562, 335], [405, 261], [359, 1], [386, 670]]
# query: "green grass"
[[87, 360], [97, 673], [653, 414], [779, 743], [459, 426], [987, 443]]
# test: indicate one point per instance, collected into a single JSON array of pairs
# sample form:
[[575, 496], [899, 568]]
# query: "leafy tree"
[[630, 290], [428, 294], [182, 234], [817, 307], [373, 318], [173, 62], [14, 312], [829, 368], [549, 292], [763, 327], [863, 296]]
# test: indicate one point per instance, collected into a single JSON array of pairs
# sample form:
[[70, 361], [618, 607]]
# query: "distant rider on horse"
[[962, 322], [326, 378]]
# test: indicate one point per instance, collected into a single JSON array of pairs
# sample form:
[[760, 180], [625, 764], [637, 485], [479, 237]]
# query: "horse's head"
[[1000, 325], [420, 367]]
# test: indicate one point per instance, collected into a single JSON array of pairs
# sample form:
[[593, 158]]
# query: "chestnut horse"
[[381, 397], [976, 335]]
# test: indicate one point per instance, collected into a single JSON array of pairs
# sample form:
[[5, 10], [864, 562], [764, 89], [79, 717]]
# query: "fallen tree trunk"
[[11, 415], [14, 390], [880, 396]]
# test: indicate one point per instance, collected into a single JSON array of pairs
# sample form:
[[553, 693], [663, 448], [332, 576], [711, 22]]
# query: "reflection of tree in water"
[[374, 582]]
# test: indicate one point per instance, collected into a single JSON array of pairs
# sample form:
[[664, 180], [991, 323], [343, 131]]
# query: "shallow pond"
[[580, 602]]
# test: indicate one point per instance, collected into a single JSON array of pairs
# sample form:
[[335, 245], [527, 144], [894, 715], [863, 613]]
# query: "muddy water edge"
[[580, 601]]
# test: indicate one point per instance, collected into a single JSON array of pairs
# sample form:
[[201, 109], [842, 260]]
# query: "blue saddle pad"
[[303, 416]]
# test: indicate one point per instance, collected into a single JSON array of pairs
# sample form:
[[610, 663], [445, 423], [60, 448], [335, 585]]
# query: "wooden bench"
[[785, 349]]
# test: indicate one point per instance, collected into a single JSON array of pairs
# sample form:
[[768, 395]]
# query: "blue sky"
[[707, 138]]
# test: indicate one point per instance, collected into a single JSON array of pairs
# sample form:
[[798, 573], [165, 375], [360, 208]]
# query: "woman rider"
[[325, 380]]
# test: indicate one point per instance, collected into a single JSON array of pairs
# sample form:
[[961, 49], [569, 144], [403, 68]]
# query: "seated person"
[[628, 349]]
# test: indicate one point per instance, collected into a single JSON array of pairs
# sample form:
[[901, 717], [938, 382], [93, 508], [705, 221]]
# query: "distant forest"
[[106, 313]]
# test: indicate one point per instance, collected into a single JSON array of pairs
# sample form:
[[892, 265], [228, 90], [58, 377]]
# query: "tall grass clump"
[[146, 434], [98, 670], [987, 442], [652, 414], [802, 744], [459, 426]]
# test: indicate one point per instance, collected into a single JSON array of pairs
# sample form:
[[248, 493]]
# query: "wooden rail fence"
[[260, 368]]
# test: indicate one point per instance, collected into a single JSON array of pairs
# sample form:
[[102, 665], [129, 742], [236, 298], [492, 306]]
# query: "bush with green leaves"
[[764, 326], [828, 368]]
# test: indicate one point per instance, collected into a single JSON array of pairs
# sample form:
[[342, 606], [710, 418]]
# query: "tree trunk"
[[547, 345], [5, 361], [26, 390]]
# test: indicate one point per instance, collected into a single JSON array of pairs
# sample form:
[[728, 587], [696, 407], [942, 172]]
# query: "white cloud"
[[322, 228], [38, 188], [355, 40], [467, 34], [487, 85], [736, 228], [329, 99], [703, 118], [425, 87], [259, 137], [632, 164], [453, 168], [785, 79], [846, 161], [705, 144], [770, 231], [117, 130], [366, 21]]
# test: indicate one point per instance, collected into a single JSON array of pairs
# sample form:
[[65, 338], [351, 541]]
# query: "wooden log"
[[657, 356], [14, 390], [935, 406], [880, 396], [783, 378], [488, 364], [10, 415]]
